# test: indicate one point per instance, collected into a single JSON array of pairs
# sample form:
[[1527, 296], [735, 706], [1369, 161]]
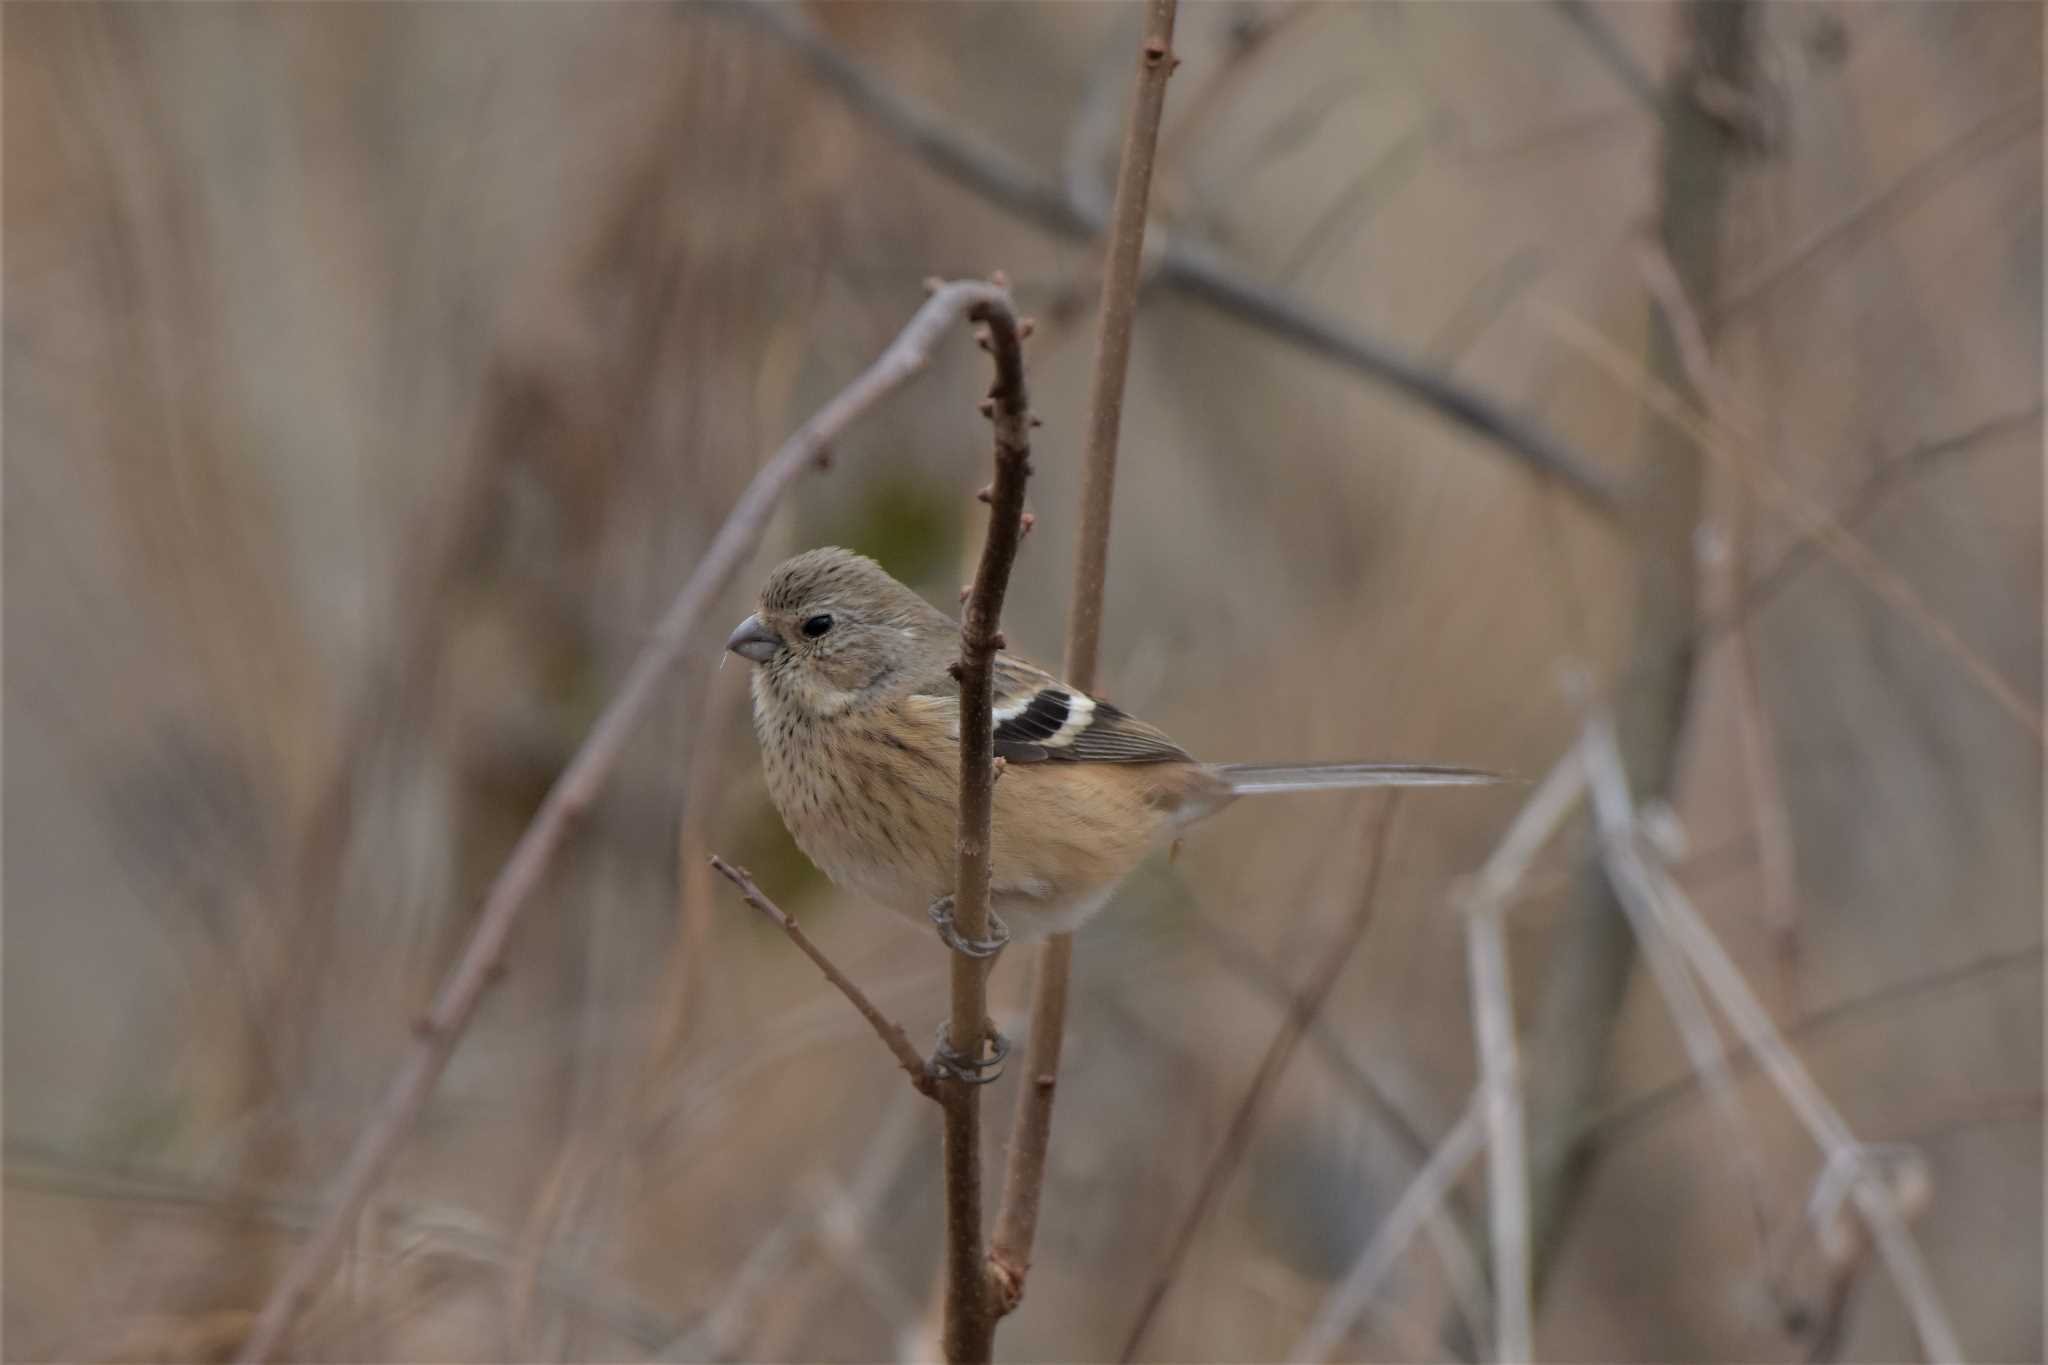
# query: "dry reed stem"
[[1419, 1204], [1507, 1175], [1485, 900], [1845, 1156], [1031, 1128], [573, 792], [1279, 1054], [1614, 816]]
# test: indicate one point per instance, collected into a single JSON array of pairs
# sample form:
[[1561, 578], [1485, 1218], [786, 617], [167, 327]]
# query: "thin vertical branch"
[[971, 1310], [1279, 1053], [437, 1033], [1031, 1132], [1118, 319]]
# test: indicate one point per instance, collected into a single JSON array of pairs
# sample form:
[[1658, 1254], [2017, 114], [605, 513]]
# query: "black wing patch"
[[1063, 726], [1021, 738], [1042, 719]]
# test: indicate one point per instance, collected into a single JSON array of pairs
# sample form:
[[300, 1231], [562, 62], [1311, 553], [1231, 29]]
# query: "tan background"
[[374, 373]]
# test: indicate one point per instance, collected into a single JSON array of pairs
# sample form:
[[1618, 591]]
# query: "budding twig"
[[971, 1307]]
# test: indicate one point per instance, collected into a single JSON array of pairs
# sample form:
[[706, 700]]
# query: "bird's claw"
[[941, 912], [980, 1069]]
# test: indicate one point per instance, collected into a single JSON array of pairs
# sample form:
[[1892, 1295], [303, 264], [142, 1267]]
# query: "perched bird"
[[859, 723]]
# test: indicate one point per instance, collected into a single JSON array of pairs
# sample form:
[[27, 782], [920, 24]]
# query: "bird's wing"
[[1040, 719]]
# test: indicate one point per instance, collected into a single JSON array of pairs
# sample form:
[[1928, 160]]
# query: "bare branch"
[[573, 792], [1420, 1203], [971, 1310], [1031, 1131], [1279, 1053], [888, 1030], [1204, 275]]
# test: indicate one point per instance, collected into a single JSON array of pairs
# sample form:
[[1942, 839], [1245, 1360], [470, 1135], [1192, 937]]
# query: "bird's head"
[[832, 628]]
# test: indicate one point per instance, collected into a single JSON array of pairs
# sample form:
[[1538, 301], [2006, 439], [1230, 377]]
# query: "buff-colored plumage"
[[858, 720]]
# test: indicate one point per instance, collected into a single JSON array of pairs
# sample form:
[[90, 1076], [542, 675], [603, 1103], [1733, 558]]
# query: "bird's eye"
[[817, 626]]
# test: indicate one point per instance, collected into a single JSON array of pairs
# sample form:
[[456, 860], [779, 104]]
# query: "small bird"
[[859, 723]]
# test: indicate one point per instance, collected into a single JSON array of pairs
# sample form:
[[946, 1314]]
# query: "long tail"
[[1247, 779]]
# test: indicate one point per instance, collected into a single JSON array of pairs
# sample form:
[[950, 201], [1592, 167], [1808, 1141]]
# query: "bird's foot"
[[979, 1068], [941, 912]]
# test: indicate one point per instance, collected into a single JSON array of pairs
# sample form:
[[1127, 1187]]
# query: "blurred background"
[[375, 373]]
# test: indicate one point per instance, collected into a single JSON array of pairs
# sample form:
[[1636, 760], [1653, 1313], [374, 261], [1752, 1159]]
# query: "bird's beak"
[[752, 640]]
